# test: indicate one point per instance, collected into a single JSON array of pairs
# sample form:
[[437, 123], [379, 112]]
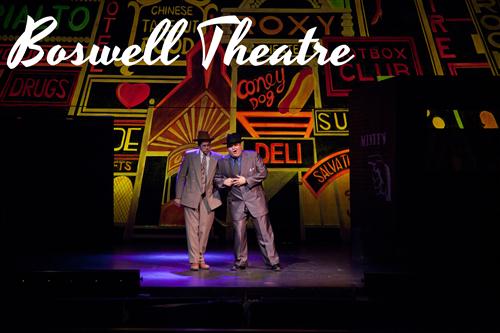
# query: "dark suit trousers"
[[265, 238]]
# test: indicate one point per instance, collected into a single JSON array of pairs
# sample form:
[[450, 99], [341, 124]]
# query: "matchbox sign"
[[374, 58]]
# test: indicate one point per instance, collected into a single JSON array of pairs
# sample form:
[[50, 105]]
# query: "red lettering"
[[241, 95], [400, 68], [269, 31], [112, 8], [16, 88], [108, 23], [100, 41], [259, 147], [62, 90], [111, 11], [299, 153], [261, 90], [361, 75], [343, 76], [287, 155], [279, 153], [275, 153], [442, 47], [387, 53], [374, 54], [400, 54], [39, 88], [437, 21], [362, 50], [28, 86], [298, 25], [378, 70]]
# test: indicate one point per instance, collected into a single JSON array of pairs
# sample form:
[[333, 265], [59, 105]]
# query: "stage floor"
[[320, 288], [309, 266]]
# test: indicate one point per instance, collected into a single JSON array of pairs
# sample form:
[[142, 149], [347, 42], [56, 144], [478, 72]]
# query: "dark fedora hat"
[[233, 138], [203, 136]]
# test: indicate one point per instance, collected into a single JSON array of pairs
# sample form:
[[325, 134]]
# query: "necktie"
[[235, 168], [203, 173]]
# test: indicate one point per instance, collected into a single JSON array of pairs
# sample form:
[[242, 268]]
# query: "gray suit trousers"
[[198, 224], [265, 238]]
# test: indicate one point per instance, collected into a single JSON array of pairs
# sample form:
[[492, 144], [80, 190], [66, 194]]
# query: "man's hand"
[[228, 182], [240, 181], [177, 202]]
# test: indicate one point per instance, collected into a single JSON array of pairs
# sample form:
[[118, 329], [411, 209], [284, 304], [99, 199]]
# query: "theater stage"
[[166, 266], [147, 287]]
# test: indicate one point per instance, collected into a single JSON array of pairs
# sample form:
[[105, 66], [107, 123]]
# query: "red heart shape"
[[132, 94]]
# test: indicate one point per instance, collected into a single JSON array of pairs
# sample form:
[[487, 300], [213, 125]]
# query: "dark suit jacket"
[[188, 186], [251, 194]]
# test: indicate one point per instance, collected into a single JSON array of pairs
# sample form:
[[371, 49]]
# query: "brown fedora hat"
[[203, 136]]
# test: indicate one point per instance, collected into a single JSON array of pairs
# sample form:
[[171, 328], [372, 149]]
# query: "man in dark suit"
[[195, 192], [242, 172]]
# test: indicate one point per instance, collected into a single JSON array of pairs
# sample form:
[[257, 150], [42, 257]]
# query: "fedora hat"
[[233, 138], [203, 136]]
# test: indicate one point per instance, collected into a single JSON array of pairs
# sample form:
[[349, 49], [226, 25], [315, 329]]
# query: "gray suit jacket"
[[251, 194], [188, 186]]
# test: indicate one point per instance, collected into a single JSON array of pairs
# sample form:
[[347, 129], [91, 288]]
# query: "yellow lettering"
[[325, 124], [172, 10], [339, 127], [122, 140], [129, 145]]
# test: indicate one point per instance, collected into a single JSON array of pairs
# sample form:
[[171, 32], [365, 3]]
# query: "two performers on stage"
[[201, 175]]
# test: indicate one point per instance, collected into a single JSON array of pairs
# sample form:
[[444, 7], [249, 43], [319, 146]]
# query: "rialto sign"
[[169, 35]]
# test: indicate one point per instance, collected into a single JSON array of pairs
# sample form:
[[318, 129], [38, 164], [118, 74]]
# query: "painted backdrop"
[[296, 117]]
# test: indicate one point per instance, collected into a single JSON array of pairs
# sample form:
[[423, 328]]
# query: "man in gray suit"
[[242, 172], [195, 192]]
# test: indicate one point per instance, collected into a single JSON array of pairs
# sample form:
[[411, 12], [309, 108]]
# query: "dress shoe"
[[204, 266], [238, 267], [194, 267], [276, 267]]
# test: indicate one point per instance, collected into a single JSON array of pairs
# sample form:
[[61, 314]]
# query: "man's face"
[[205, 147], [235, 149]]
